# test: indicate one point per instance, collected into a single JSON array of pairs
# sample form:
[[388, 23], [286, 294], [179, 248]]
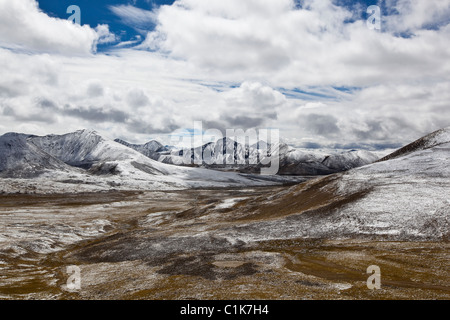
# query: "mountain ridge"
[[433, 139], [74, 161], [247, 159]]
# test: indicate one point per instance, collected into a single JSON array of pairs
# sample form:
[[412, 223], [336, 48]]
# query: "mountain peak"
[[86, 132], [431, 140]]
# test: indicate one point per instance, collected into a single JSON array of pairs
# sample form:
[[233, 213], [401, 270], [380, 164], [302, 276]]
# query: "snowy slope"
[[349, 160], [22, 159], [152, 149], [436, 138], [404, 198], [409, 194]]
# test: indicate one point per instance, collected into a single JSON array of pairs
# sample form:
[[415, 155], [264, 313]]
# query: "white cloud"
[[104, 35], [254, 96], [139, 19], [227, 63], [24, 26], [275, 42], [416, 14]]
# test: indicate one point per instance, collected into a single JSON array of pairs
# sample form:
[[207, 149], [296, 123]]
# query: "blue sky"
[[99, 12], [141, 70]]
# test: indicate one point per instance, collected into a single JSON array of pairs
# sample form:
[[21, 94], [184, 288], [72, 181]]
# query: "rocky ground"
[[203, 244]]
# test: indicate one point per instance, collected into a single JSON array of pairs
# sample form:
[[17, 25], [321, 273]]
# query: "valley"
[[180, 245]]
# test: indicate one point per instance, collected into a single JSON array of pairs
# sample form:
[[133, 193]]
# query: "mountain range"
[[404, 194], [248, 159], [85, 161]]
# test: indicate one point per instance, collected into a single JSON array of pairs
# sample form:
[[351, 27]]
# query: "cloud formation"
[[24, 26], [314, 45], [309, 68]]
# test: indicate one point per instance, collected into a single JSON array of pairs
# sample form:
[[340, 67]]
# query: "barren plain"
[[202, 244]]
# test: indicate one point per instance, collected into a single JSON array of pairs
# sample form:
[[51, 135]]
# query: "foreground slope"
[[405, 197]]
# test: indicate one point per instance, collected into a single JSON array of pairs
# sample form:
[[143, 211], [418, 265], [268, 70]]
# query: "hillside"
[[19, 158], [404, 197]]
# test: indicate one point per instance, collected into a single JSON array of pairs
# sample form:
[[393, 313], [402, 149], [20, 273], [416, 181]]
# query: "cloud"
[[416, 14], [314, 71], [95, 114], [8, 91], [95, 89], [166, 126], [35, 115], [244, 122], [137, 98], [322, 125], [139, 19], [104, 35], [23, 26], [255, 96], [290, 46], [47, 104]]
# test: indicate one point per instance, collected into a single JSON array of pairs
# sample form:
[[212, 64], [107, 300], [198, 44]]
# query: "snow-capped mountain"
[[79, 149], [73, 162], [403, 197], [229, 154], [311, 162], [20, 158], [152, 149], [349, 160], [88, 149], [217, 153]]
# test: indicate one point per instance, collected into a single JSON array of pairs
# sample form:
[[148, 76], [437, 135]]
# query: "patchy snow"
[[40, 232], [229, 203]]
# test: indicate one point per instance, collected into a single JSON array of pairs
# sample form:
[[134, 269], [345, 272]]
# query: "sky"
[[142, 70]]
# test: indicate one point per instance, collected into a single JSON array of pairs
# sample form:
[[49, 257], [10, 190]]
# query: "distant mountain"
[[349, 160], [84, 160], [227, 154], [220, 153], [152, 149]]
